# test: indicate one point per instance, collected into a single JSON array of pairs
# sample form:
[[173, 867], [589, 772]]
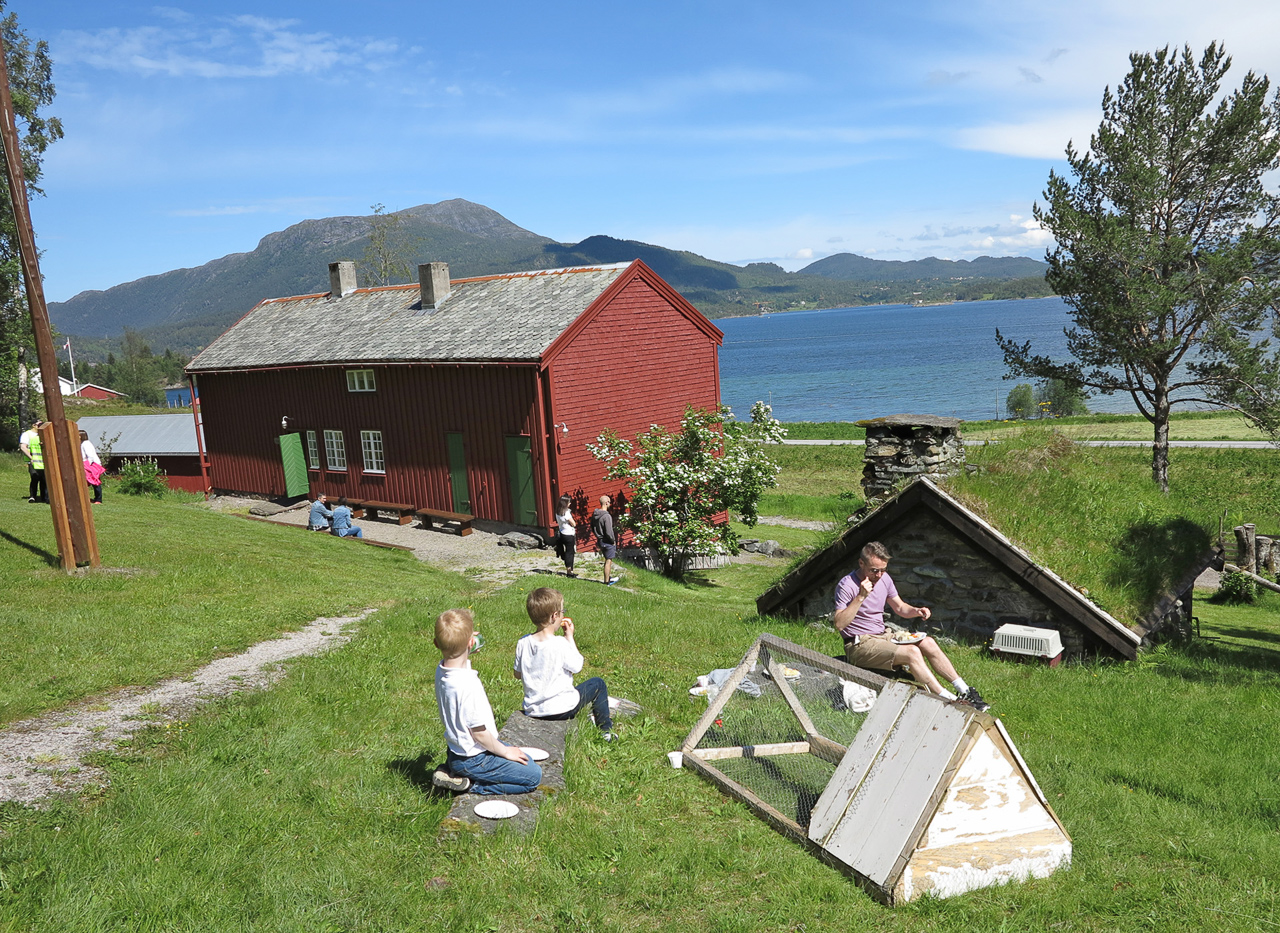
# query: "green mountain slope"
[[861, 269], [187, 308]]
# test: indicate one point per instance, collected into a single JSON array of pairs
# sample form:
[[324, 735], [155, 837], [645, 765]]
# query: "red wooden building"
[[473, 395]]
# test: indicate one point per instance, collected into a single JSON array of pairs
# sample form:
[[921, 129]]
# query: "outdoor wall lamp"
[[563, 426]]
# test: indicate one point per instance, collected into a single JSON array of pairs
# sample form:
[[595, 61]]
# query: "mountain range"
[[186, 308]]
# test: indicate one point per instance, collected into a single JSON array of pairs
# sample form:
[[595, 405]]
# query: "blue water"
[[846, 364]]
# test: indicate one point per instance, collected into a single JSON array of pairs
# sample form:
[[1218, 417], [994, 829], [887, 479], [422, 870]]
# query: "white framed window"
[[335, 450], [371, 450], [361, 380], [313, 451]]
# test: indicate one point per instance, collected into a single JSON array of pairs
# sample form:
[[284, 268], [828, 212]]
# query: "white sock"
[[947, 695], [960, 685]]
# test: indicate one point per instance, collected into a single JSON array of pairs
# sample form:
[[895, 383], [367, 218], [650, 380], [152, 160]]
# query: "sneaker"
[[974, 699], [32, 499], [446, 781], [609, 736]]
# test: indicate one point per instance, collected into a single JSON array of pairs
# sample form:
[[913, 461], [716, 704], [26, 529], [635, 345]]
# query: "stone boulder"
[[521, 541]]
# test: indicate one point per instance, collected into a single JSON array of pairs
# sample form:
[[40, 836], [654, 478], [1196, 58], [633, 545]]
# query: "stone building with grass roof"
[[974, 579], [475, 396]]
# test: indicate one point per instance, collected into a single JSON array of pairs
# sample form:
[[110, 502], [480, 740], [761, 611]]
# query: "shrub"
[[1236, 588], [142, 478]]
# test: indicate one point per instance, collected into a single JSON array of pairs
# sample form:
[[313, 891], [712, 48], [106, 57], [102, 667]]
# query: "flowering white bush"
[[680, 481]]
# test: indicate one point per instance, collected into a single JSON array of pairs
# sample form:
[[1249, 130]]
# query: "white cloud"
[[235, 47], [1042, 138]]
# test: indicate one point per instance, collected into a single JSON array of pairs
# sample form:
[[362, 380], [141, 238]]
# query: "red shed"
[[471, 395], [89, 390]]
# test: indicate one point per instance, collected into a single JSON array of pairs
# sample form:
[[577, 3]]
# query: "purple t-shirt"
[[869, 619]]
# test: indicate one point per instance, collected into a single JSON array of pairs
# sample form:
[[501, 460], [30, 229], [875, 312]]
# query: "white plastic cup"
[[676, 759]]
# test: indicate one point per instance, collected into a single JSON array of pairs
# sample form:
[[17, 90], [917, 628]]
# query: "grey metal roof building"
[[508, 317], [143, 435]]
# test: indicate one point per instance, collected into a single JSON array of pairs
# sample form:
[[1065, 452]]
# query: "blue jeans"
[[351, 532], [591, 691], [491, 774]]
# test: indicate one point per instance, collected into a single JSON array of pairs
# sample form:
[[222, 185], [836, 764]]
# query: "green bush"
[[142, 478], [1236, 588]]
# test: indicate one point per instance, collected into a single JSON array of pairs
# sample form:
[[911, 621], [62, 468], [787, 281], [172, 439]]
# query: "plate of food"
[[908, 638], [535, 754], [790, 673], [496, 809]]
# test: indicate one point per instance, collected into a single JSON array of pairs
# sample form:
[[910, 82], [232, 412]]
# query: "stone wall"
[[900, 447], [969, 594]]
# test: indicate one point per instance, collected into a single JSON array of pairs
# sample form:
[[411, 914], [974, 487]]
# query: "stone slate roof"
[[504, 317], [143, 435]]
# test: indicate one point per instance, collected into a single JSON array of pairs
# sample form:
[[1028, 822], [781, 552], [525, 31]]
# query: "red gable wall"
[[638, 361]]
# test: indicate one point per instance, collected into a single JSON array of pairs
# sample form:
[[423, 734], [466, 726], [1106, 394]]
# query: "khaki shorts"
[[871, 651]]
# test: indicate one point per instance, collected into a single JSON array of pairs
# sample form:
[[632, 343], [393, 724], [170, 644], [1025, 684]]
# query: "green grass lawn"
[[302, 808], [820, 483], [1183, 426]]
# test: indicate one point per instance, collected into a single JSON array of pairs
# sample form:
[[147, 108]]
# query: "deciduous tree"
[[681, 480], [1021, 401], [1168, 252], [31, 85]]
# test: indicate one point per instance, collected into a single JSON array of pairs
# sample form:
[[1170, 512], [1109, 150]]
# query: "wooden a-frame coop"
[[915, 795]]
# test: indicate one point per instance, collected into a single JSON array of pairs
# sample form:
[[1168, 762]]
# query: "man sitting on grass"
[[859, 618]]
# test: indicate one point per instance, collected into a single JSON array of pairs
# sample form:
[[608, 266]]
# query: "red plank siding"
[[414, 407]]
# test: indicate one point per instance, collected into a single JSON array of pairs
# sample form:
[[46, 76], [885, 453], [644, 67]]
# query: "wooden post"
[[1246, 555], [72, 522]]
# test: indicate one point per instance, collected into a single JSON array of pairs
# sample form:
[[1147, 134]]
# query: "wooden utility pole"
[[59, 439]]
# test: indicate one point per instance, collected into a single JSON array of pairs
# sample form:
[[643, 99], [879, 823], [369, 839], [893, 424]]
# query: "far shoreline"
[[882, 304]]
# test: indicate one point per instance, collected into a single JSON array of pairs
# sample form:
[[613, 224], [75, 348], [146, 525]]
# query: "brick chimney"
[[342, 279], [434, 279]]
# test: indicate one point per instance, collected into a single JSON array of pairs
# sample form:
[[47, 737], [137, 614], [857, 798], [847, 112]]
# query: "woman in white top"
[[92, 474], [566, 536]]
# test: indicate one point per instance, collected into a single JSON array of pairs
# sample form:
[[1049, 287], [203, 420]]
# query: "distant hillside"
[[186, 308], [856, 268], [189, 307]]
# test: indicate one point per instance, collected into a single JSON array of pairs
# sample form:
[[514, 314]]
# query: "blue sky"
[[742, 131]]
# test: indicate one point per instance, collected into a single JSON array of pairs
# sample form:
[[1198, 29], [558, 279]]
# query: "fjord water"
[[846, 364]]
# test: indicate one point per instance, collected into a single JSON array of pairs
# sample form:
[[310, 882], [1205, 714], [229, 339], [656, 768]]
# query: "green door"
[[524, 506], [295, 465], [458, 475]]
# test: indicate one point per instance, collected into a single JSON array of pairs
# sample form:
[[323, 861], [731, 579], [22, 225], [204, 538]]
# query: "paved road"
[[1251, 445]]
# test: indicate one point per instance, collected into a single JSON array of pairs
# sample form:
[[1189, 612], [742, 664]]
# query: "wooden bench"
[[369, 508], [461, 519]]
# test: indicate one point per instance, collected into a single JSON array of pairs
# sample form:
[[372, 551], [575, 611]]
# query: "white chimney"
[[342, 279], [434, 279]]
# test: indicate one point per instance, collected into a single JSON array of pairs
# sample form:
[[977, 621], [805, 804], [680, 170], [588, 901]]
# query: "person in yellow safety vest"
[[29, 443]]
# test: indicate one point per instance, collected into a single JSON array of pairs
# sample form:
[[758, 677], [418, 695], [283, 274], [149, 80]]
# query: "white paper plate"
[[697, 691], [496, 809], [535, 754], [908, 638]]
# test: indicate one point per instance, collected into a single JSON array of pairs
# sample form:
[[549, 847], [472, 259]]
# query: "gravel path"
[[46, 756]]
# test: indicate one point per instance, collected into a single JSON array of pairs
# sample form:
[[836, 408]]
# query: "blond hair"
[[542, 604], [454, 628]]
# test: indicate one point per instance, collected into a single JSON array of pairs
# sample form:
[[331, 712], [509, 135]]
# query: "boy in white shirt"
[[477, 760], [546, 664]]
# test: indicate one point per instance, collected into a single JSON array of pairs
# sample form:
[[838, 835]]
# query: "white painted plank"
[[888, 807], [862, 754]]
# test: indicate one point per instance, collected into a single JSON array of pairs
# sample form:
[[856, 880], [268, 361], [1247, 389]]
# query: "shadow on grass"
[[51, 559], [1155, 555], [1247, 661], [417, 771], [1247, 634]]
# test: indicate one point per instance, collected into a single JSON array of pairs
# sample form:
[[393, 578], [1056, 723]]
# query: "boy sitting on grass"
[[546, 664], [477, 760]]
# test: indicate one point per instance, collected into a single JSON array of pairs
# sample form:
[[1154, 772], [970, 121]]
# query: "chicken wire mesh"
[[758, 714]]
